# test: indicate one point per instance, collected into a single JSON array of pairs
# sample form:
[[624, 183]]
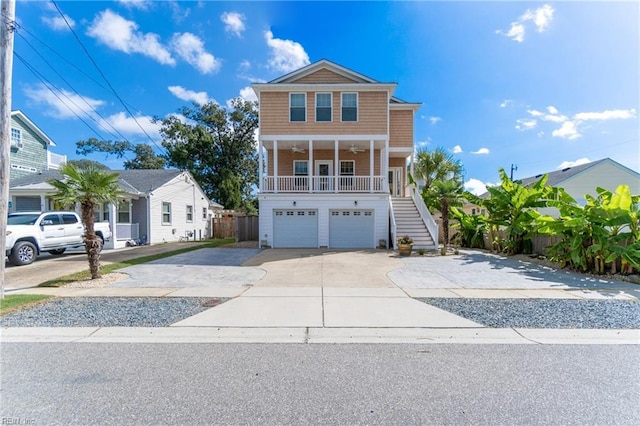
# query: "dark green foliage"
[[144, 158], [218, 148], [85, 163]]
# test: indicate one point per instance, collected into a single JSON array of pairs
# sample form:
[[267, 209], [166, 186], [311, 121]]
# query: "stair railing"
[[392, 217], [428, 220]]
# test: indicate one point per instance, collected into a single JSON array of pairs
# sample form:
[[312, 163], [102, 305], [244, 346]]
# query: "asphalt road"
[[319, 384], [47, 267]]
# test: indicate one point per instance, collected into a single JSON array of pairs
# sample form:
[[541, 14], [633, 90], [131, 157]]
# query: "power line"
[[104, 77], [93, 110]]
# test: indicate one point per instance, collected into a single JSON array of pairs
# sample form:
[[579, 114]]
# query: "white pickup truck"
[[31, 233]]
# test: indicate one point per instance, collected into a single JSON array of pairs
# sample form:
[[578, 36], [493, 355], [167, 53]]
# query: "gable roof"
[[558, 176], [325, 64], [137, 182], [35, 129]]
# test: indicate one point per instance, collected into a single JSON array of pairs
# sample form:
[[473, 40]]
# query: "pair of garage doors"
[[299, 228]]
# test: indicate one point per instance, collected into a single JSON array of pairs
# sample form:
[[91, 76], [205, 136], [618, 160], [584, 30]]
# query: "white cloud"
[[245, 64], [476, 186], [65, 105], [606, 115], [541, 18], [567, 131], [191, 48], [526, 124], [136, 4], [126, 124], [57, 23], [434, 119], [481, 151], [248, 94], [535, 113], [552, 109], [506, 103], [189, 95], [120, 34], [578, 162], [286, 55], [457, 149], [423, 144], [233, 22]]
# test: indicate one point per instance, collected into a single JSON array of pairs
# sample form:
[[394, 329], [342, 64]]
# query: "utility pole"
[[7, 27], [513, 167]]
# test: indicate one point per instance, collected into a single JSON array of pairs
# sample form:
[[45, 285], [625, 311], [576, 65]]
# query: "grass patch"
[[105, 269], [14, 302]]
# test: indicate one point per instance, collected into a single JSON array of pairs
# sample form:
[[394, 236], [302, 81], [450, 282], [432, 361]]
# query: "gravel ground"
[[108, 312], [544, 313]]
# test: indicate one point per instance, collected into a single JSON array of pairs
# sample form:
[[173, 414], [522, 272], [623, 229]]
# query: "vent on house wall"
[[17, 145]]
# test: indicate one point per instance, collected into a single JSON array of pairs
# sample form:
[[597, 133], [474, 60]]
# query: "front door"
[[323, 181], [395, 181]]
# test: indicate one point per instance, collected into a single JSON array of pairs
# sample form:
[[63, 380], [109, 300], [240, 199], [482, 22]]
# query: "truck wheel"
[[23, 253], [57, 252]]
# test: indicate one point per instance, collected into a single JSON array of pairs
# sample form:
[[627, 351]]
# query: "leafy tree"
[[86, 163], [218, 147], [449, 193], [436, 165], [145, 158], [512, 206], [471, 228], [89, 187]]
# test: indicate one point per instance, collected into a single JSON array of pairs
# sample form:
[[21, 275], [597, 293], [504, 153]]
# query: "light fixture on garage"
[[355, 203], [294, 203]]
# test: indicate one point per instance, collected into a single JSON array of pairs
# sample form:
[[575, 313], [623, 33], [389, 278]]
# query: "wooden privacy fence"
[[242, 228]]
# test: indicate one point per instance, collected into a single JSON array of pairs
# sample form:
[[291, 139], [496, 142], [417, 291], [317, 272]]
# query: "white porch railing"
[[428, 220], [55, 161], [324, 184], [127, 231]]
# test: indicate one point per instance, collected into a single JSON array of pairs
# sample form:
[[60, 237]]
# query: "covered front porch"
[[332, 164]]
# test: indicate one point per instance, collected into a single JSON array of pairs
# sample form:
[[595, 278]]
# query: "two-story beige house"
[[334, 149]]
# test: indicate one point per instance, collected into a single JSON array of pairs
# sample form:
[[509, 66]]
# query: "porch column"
[[310, 167], [336, 165], [275, 166], [260, 164], [385, 172], [113, 222], [411, 167], [371, 165], [43, 203]]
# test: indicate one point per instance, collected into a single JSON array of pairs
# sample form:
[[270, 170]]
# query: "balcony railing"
[[55, 161], [324, 184]]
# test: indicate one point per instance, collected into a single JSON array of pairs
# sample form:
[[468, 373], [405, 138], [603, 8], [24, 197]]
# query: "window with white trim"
[[16, 137], [300, 168], [123, 211], [166, 213], [297, 107], [323, 106], [347, 167], [349, 107], [189, 213], [204, 213]]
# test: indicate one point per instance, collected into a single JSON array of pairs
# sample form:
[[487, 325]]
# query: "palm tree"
[[88, 186], [436, 165], [450, 194]]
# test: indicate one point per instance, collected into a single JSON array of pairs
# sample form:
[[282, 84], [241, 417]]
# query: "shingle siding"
[[323, 76], [33, 154], [401, 126], [274, 115]]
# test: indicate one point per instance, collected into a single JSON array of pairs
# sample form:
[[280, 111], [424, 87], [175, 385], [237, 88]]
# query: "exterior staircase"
[[409, 222]]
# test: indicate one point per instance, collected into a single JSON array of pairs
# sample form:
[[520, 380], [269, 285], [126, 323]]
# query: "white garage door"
[[351, 229], [295, 228]]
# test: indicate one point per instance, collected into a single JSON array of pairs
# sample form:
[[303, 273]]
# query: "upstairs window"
[[347, 168], [323, 106], [204, 213], [300, 168], [349, 107], [166, 213], [16, 138], [189, 213], [297, 107]]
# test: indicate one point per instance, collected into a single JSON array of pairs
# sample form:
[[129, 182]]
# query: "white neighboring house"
[[159, 205], [580, 180]]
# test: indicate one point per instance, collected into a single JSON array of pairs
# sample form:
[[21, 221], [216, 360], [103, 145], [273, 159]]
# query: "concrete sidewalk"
[[312, 296]]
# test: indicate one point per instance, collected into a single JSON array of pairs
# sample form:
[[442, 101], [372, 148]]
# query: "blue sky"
[[539, 85]]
